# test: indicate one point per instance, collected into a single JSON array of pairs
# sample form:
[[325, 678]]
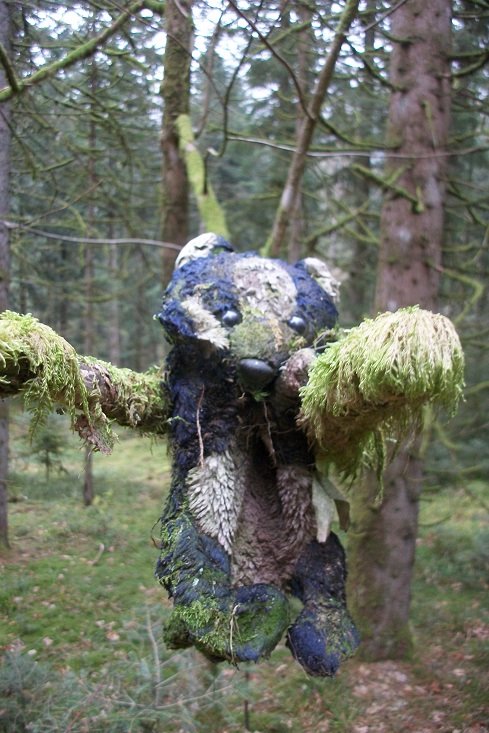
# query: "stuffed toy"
[[247, 523], [267, 407], [239, 530]]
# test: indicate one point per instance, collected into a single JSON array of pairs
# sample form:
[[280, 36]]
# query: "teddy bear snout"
[[255, 374]]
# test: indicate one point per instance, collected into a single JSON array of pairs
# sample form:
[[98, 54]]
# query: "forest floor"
[[80, 619]]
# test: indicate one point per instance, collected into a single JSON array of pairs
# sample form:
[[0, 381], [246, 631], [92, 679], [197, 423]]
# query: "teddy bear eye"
[[231, 318], [298, 324]]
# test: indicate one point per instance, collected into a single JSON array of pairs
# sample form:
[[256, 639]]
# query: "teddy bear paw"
[[322, 637], [243, 627]]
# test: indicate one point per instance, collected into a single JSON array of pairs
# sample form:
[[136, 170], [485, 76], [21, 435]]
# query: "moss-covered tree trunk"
[[382, 541], [175, 91], [4, 260]]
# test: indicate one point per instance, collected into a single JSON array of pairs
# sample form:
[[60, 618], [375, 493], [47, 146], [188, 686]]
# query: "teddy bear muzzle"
[[255, 374]]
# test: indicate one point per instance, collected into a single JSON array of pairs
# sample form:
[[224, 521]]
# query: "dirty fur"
[[240, 522]]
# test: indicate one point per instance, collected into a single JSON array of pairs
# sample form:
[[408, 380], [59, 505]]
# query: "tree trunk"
[[382, 541], [89, 267], [175, 91], [305, 134], [114, 336], [5, 137]]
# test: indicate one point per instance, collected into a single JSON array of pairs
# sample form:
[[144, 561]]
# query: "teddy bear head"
[[249, 311]]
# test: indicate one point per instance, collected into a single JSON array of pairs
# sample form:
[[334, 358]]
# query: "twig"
[[357, 153], [199, 430], [384, 16], [87, 240], [99, 554]]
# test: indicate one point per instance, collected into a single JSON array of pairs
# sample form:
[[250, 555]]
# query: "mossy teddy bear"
[[262, 401], [240, 528], [261, 395]]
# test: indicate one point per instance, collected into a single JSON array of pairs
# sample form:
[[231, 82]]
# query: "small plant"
[[47, 446]]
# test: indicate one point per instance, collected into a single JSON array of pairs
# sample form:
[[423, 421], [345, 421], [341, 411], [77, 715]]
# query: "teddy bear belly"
[[276, 522]]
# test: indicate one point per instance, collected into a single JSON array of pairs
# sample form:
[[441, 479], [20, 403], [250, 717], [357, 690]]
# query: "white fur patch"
[[206, 325], [265, 287], [323, 276], [200, 246], [216, 490]]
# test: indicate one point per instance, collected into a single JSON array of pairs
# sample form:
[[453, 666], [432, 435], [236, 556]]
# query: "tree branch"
[[81, 52], [306, 131], [88, 240], [210, 211], [46, 371]]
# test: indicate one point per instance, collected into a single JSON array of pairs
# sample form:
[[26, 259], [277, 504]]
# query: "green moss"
[[229, 632], [137, 400], [46, 370], [253, 336], [29, 349], [371, 386], [210, 211]]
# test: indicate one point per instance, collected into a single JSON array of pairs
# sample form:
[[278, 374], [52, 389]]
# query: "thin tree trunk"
[[305, 46], [88, 484], [175, 91], [5, 138], [306, 132], [114, 336], [382, 541], [357, 290]]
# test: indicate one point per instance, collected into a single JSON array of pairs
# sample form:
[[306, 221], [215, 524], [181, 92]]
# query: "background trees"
[[87, 161], [4, 260]]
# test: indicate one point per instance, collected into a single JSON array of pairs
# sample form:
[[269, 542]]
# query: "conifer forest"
[[355, 132]]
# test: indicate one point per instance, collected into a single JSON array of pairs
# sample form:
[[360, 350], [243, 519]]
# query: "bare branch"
[[306, 131], [87, 240]]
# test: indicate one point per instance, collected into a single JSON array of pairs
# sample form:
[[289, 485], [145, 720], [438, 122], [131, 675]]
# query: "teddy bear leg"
[[224, 623], [324, 633]]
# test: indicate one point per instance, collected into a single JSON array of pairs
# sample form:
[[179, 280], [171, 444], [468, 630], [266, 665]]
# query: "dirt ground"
[[426, 698]]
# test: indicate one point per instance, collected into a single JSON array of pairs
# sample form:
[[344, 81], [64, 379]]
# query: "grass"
[[81, 614]]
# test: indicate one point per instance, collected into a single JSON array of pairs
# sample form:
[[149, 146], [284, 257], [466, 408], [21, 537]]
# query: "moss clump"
[[372, 384], [43, 365], [46, 370], [234, 629]]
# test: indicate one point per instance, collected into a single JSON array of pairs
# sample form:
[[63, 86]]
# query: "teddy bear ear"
[[323, 276], [202, 246]]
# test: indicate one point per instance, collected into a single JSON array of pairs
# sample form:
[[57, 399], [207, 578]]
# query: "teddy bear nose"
[[255, 374]]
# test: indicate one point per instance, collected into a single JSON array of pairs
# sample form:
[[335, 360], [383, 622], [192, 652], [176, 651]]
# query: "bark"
[[382, 543], [5, 138], [175, 91], [381, 556], [305, 45]]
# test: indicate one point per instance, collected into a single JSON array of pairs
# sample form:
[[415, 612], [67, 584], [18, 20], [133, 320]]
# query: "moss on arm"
[[40, 365], [372, 385]]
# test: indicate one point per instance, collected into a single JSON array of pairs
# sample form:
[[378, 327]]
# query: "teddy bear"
[[240, 535], [269, 409]]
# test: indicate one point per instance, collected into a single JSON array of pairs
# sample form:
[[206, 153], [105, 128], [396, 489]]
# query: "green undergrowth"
[[81, 618]]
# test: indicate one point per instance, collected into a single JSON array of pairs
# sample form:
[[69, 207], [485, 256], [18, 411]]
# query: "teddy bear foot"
[[244, 627], [322, 637]]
